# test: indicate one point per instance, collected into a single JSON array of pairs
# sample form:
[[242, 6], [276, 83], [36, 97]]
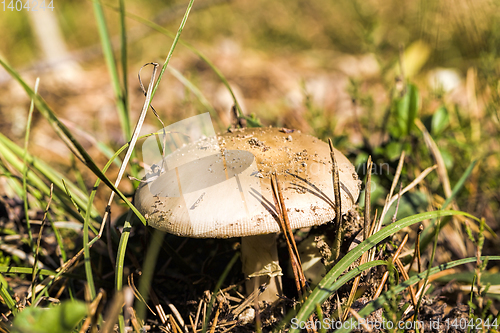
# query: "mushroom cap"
[[222, 188]]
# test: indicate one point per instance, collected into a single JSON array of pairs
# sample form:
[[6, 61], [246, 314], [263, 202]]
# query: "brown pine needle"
[[173, 324], [416, 252], [338, 204], [381, 285], [368, 187], [193, 327], [354, 289], [171, 306], [339, 307], [289, 238], [159, 308], [360, 320], [214, 325], [386, 274], [136, 292], [298, 272], [400, 248], [406, 277]]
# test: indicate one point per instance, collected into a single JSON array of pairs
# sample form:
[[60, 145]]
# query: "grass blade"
[[107, 49], [25, 170], [5, 292], [68, 138], [155, 242], [120, 262], [88, 244], [47, 171], [428, 233], [322, 291], [339, 283], [251, 122], [174, 44], [123, 53], [385, 297], [24, 270], [11, 158], [188, 84]]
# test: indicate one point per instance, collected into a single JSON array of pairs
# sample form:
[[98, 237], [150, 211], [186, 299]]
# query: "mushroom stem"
[[259, 255]]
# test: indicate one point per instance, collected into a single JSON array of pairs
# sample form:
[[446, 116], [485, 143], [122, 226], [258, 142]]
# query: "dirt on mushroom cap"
[[303, 166]]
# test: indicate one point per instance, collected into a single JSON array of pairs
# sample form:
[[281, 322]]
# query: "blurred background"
[[329, 68], [288, 61]]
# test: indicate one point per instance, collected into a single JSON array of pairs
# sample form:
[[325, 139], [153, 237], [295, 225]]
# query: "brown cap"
[[206, 193]]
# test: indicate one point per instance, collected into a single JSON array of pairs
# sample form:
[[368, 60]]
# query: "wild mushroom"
[[228, 194]]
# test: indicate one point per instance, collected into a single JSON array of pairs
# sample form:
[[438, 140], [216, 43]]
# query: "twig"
[[197, 315]]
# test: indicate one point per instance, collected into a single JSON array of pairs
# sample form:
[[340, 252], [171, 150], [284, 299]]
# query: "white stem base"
[[259, 255]]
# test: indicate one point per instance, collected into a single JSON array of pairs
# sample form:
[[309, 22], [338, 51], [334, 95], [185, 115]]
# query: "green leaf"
[[410, 203], [448, 158], [406, 109], [440, 120], [58, 319], [393, 150], [467, 277]]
